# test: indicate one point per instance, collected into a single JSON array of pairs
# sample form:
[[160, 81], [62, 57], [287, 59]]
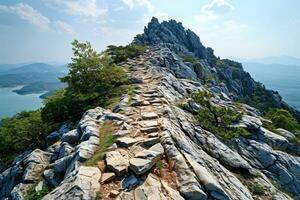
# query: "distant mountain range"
[[34, 77], [282, 60]]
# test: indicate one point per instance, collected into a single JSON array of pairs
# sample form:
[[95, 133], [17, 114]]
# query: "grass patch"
[[130, 92], [159, 168], [32, 194], [256, 188], [98, 196], [106, 140], [159, 165]]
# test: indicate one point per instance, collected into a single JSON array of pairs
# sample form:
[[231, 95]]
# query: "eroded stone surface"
[[82, 183]]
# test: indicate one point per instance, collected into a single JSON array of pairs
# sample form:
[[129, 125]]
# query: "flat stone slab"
[[153, 135], [156, 100], [151, 141], [127, 141], [145, 160], [121, 133], [107, 177], [148, 123], [117, 161], [114, 193], [149, 129], [150, 91], [145, 103], [150, 115]]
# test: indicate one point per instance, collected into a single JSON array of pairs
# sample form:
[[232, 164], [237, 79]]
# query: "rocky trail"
[[158, 151], [138, 147]]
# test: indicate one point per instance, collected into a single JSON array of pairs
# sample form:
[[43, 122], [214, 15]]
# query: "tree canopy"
[[92, 80]]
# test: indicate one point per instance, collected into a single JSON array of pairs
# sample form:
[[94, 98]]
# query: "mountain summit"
[[174, 36], [222, 75], [183, 131]]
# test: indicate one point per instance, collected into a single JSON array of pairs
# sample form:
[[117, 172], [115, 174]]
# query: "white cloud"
[[217, 7], [64, 27], [132, 3], [213, 11], [119, 8], [86, 10], [212, 19], [216, 28], [29, 14], [294, 22]]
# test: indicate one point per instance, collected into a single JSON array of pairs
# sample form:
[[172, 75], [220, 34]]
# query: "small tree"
[[217, 119], [92, 80], [92, 72]]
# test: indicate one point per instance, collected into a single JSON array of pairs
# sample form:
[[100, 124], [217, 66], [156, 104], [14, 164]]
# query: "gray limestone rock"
[[117, 161], [146, 159], [71, 137], [82, 183]]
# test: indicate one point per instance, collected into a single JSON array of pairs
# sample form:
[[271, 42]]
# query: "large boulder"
[[71, 137], [82, 183], [27, 169]]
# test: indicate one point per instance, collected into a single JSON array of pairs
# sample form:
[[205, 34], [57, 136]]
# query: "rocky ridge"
[[220, 75], [160, 152]]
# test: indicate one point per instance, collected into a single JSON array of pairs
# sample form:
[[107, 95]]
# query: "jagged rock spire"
[[173, 35]]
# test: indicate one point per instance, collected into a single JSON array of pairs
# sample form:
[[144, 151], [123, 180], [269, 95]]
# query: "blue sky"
[[42, 30]]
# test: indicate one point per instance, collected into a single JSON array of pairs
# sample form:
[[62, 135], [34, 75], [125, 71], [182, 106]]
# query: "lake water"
[[11, 103], [281, 78]]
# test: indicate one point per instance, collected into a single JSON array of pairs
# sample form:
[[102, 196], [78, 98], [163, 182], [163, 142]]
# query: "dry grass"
[[107, 138]]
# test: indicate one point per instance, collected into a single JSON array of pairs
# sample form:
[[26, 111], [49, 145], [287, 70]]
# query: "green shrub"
[[261, 99], [189, 58], [25, 130], [283, 119], [159, 165], [217, 119], [257, 189], [98, 196], [32, 194], [122, 53]]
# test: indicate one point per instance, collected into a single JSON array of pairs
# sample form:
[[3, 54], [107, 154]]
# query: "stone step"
[[128, 141], [149, 116], [148, 123], [145, 160], [150, 129]]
